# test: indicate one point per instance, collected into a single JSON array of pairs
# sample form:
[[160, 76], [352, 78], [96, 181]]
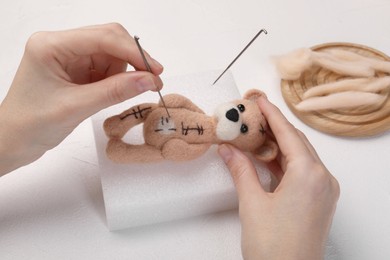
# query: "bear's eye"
[[244, 128], [241, 108]]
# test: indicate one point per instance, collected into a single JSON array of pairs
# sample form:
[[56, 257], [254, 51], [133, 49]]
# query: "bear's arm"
[[118, 125], [179, 101]]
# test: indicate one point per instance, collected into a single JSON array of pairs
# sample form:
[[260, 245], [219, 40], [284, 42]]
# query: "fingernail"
[[225, 152], [158, 64], [262, 99], [159, 83], [145, 83]]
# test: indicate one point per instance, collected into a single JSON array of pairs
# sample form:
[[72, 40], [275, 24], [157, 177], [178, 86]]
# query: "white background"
[[53, 208]]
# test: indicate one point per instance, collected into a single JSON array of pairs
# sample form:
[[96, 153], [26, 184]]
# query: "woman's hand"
[[63, 78], [293, 222]]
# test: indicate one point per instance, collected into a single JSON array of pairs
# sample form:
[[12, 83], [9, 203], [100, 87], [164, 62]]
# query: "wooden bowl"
[[354, 122]]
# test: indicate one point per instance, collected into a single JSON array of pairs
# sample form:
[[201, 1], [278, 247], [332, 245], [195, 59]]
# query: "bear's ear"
[[267, 152], [254, 94]]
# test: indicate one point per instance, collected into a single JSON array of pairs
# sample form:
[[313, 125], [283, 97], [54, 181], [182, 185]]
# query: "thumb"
[[115, 89], [243, 173]]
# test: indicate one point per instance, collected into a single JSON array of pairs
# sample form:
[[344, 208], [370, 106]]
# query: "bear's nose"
[[232, 115]]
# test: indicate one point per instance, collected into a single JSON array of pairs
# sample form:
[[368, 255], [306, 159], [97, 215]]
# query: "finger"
[[308, 145], [285, 133], [91, 98], [94, 68], [114, 67], [276, 169], [107, 65], [112, 39], [243, 173]]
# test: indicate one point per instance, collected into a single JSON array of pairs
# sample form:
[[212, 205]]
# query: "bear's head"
[[242, 124]]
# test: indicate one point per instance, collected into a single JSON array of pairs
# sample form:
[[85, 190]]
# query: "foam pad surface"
[[144, 194]]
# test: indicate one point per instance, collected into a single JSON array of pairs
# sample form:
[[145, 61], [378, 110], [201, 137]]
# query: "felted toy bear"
[[189, 132]]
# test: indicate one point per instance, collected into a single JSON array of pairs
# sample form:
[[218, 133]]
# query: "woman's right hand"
[[63, 78]]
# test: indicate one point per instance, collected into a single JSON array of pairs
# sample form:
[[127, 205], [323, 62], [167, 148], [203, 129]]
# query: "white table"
[[53, 208]]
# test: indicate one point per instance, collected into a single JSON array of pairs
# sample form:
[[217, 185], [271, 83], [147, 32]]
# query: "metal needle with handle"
[[150, 70], [238, 56]]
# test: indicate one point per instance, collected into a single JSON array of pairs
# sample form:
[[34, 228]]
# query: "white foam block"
[[144, 194]]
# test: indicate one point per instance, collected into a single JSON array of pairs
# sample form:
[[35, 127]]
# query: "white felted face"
[[229, 121]]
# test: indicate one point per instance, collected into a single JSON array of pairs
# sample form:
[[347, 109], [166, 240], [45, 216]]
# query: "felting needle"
[[150, 70], [238, 56]]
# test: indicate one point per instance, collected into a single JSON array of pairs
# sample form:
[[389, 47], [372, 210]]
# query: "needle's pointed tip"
[[218, 78]]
